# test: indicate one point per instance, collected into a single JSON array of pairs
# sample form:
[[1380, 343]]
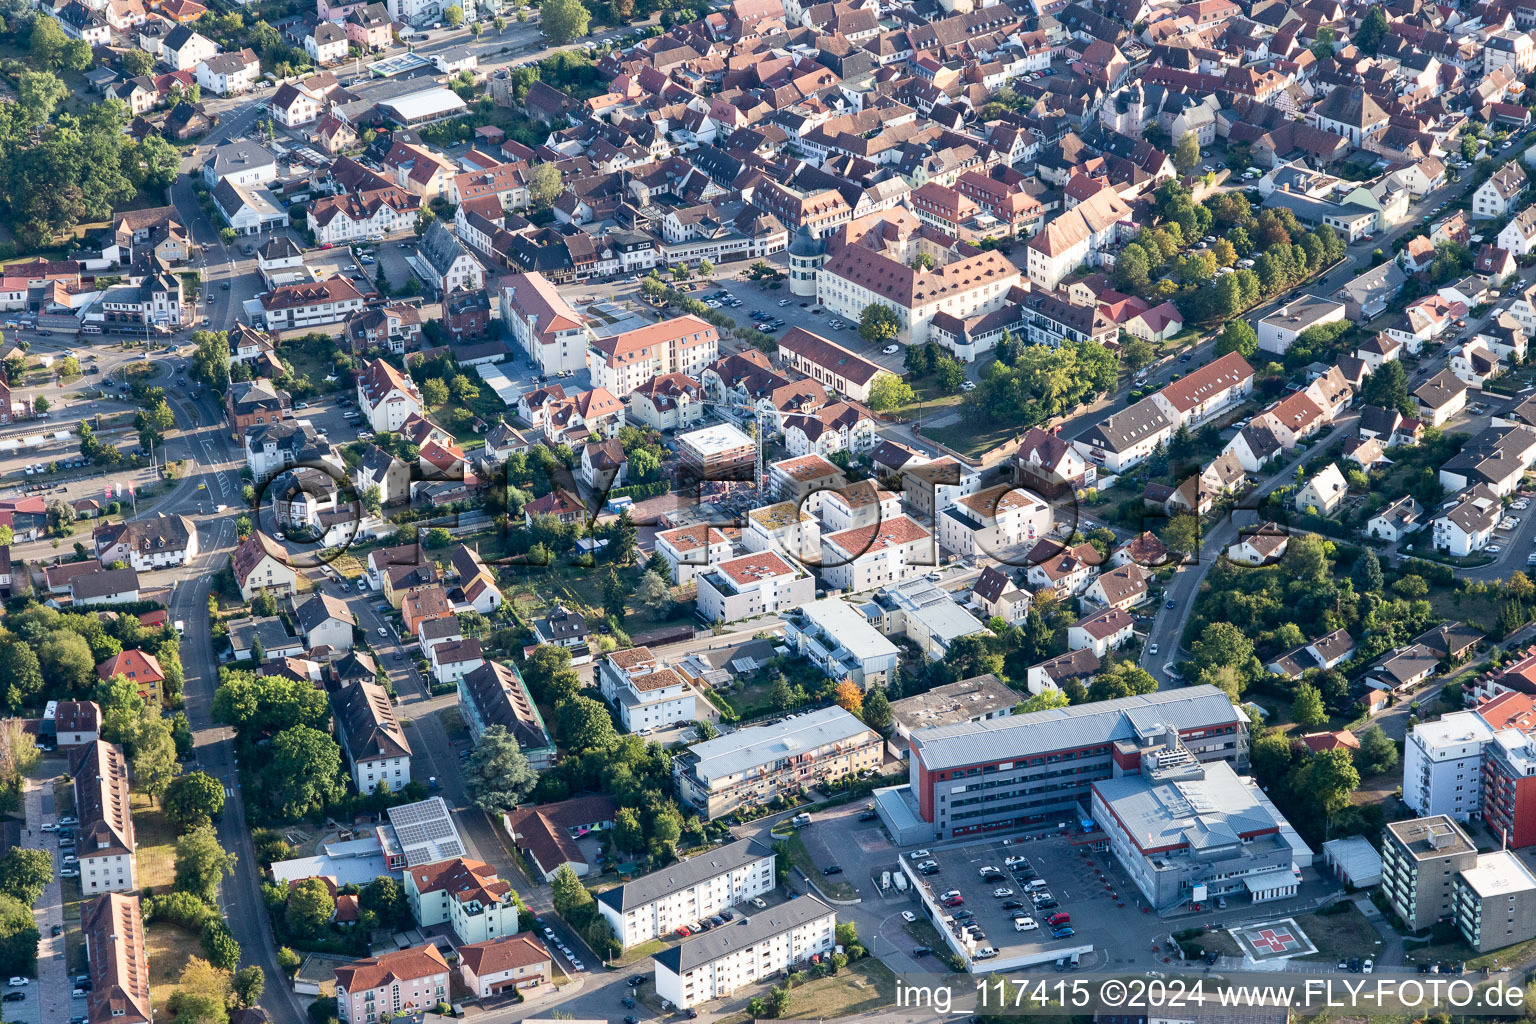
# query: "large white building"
[[762, 583], [867, 557], [105, 833], [647, 694], [840, 641], [552, 333], [994, 522], [371, 736], [464, 894], [745, 951], [1443, 765], [753, 766], [386, 396], [857, 277], [1279, 330], [623, 362], [654, 906]]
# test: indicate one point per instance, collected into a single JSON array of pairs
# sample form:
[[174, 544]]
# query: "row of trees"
[[1041, 383]]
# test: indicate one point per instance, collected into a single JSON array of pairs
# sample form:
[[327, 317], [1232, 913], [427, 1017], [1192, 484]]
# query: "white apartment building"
[[402, 982], [464, 894], [654, 906], [105, 833], [291, 306], [1443, 765], [745, 951], [762, 583], [752, 766], [386, 396], [552, 333], [647, 694], [867, 557], [690, 550], [623, 362], [994, 521], [857, 277], [371, 737], [783, 526], [839, 640]]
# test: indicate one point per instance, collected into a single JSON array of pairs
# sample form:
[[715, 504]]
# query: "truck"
[[901, 881], [800, 820], [885, 880]]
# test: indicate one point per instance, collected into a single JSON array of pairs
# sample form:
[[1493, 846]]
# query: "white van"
[[1024, 924], [1035, 885]]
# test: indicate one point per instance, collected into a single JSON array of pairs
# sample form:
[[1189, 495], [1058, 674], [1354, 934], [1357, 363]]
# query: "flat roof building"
[[1495, 901], [1419, 859], [720, 451], [838, 639], [750, 767]]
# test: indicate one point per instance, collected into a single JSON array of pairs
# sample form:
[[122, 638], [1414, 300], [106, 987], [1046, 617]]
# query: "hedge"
[[639, 492]]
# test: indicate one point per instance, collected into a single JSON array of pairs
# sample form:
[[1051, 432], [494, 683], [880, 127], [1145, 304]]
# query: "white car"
[[991, 869], [1493, 549], [908, 916], [19, 981], [919, 854], [1002, 894], [757, 901], [383, 631], [968, 385], [783, 302], [1368, 967], [1152, 649], [891, 349], [1024, 924]]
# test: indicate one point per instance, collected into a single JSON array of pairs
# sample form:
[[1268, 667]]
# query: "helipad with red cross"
[[1273, 940]]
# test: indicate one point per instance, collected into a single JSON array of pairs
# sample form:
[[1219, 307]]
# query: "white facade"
[[1443, 765], [778, 939], [656, 905], [868, 557]]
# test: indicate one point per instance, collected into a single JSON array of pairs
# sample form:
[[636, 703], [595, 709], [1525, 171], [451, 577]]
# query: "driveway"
[[48, 1001]]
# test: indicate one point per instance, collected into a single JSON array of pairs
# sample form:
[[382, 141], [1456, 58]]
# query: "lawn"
[[640, 952], [157, 845], [969, 440], [867, 985], [1213, 942], [1346, 934], [837, 889], [928, 398], [1457, 605], [169, 947]]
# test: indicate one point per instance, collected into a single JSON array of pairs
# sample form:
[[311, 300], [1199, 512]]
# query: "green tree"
[[1307, 708], [654, 594], [1133, 269], [1045, 700], [1222, 643], [1373, 29], [497, 775], [193, 800], [434, 392], [201, 864], [136, 62], [889, 392], [564, 20], [386, 900], [66, 661], [614, 594], [25, 873], [1181, 533], [583, 725], [1322, 46], [876, 711], [950, 373], [41, 93], [22, 675], [154, 754], [304, 773], [1377, 754], [628, 833], [1137, 353], [1326, 780], [1367, 573], [1387, 387], [878, 324], [1237, 336], [210, 363], [310, 907], [247, 987], [1187, 155], [220, 945], [18, 935], [453, 16], [566, 891]]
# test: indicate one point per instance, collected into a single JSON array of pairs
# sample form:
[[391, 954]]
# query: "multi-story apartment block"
[[386, 396], [464, 894], [291, 306], [839, 640], [979, 777], [105, 833], [371, 736], [751, 767], [965, 287], [690, 550], [552, 333], [117, 961], [1495, 901], [623, 362], [993, 521], [403, 982], [647, 694], [879, 555], [762, 583], [1420, 859], [744, 952], [1443, 765], [653, 906], [495, 694]]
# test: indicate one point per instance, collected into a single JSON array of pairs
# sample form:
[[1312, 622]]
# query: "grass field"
[[838, 890], [157, 845], [640, 952], [867, 985], [169, 948], [1347, 934]]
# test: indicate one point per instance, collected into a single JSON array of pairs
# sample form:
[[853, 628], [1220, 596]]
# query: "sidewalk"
[[51, 1000]]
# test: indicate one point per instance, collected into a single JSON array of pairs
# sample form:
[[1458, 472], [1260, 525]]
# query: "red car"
[[683, 933], [1059, 919], [955, 901]]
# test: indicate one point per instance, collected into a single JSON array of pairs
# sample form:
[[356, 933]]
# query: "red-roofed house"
[[510, 962], [404, 981], [623, 362], [761, 583], [138, 667]]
